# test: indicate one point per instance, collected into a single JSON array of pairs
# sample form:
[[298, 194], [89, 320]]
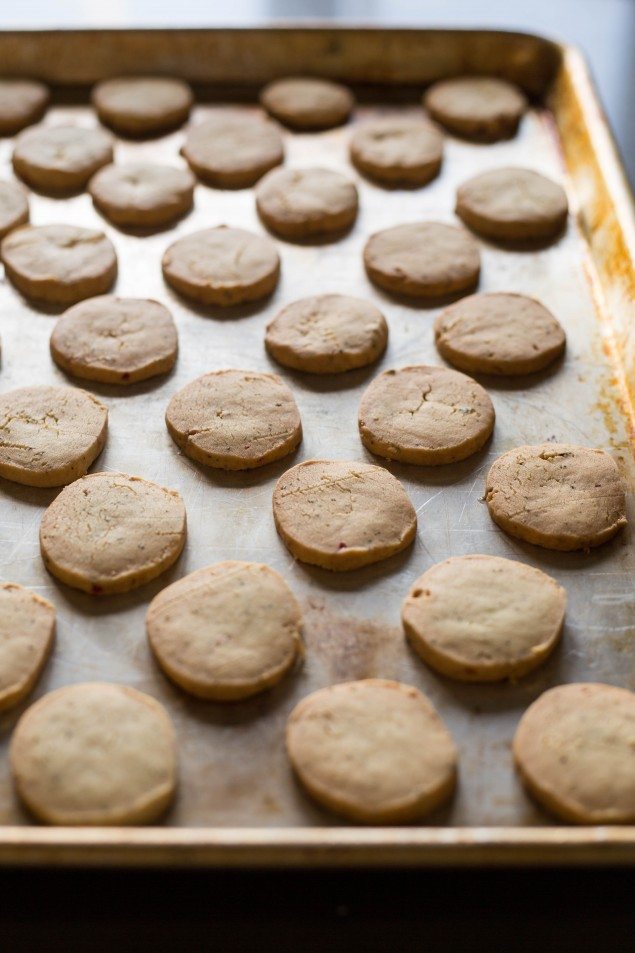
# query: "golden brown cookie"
[[226, 632], [235, 420], [374, 751], [557, 495], [306, 203], [142, 105], [110, 532], [341, 514], [59, 264], [22, 102], [484, 618], [142, 194], [49, 436], [222, 266], [27, 633], [14, 207], [508, 334], [398, 151], [425, 415], [115, 340], [232, 151], [327, 334], [513, 205], [95, 754], [483, 108], [60, 158], [423, 260], [308, 104], [574, 749]]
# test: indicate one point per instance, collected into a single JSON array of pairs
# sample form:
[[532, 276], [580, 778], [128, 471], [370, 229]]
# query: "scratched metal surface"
[[233, 765]]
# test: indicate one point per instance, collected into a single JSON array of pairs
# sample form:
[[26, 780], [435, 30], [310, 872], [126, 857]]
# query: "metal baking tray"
[[238, 803]]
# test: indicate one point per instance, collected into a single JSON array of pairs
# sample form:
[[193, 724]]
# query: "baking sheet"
[[234, 771]]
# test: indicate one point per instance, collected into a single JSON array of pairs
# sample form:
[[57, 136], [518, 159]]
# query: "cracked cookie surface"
[[227, 631], [559, 496], [398, 151], [375, 751], [142, 194], [483, 618], [425, 415], [342, 514], [60, 158], [49, 436], [110, 532], [306, 203], [27, 633], [235, 420]]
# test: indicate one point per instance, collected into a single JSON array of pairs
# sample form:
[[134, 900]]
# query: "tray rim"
[[355, 846]]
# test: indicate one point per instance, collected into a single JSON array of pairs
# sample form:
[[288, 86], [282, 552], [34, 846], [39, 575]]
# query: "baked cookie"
[[425, 415], [232, 151], [374, 751], [574, 751], [95, 754], [142, 194], [483, 108], [22, 102], [27, 633], [222, 266], [484, 618], [110, 532], [423, 260], [308, 104], [341, 514], [327, 334], [14, 207], [59, 264], [306, 203], [398, 151], [49, 436], [60, 158], [501, 334], [115, 340], [513, 205], [235, 420], [142, 105], [226, 632], [557, 495]]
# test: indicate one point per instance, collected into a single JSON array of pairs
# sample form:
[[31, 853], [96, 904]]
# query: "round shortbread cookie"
[[115, 340], [557, 495], [142, 105], [60, 158], [425, 415], [232, 151], [226, 632], [27, 633], [59, 264], [235, 420], [398, 151], [342, 514], [306, 103], [95, 754], [483, 108], [374, 751], [574, 749], [110, 532], [222, 266], [484, 618], [306, 203], [513, 205], [49, 436], [142, 194], [423, 260], [14, 207], [502, 334], [22, 102], [327, 334]]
